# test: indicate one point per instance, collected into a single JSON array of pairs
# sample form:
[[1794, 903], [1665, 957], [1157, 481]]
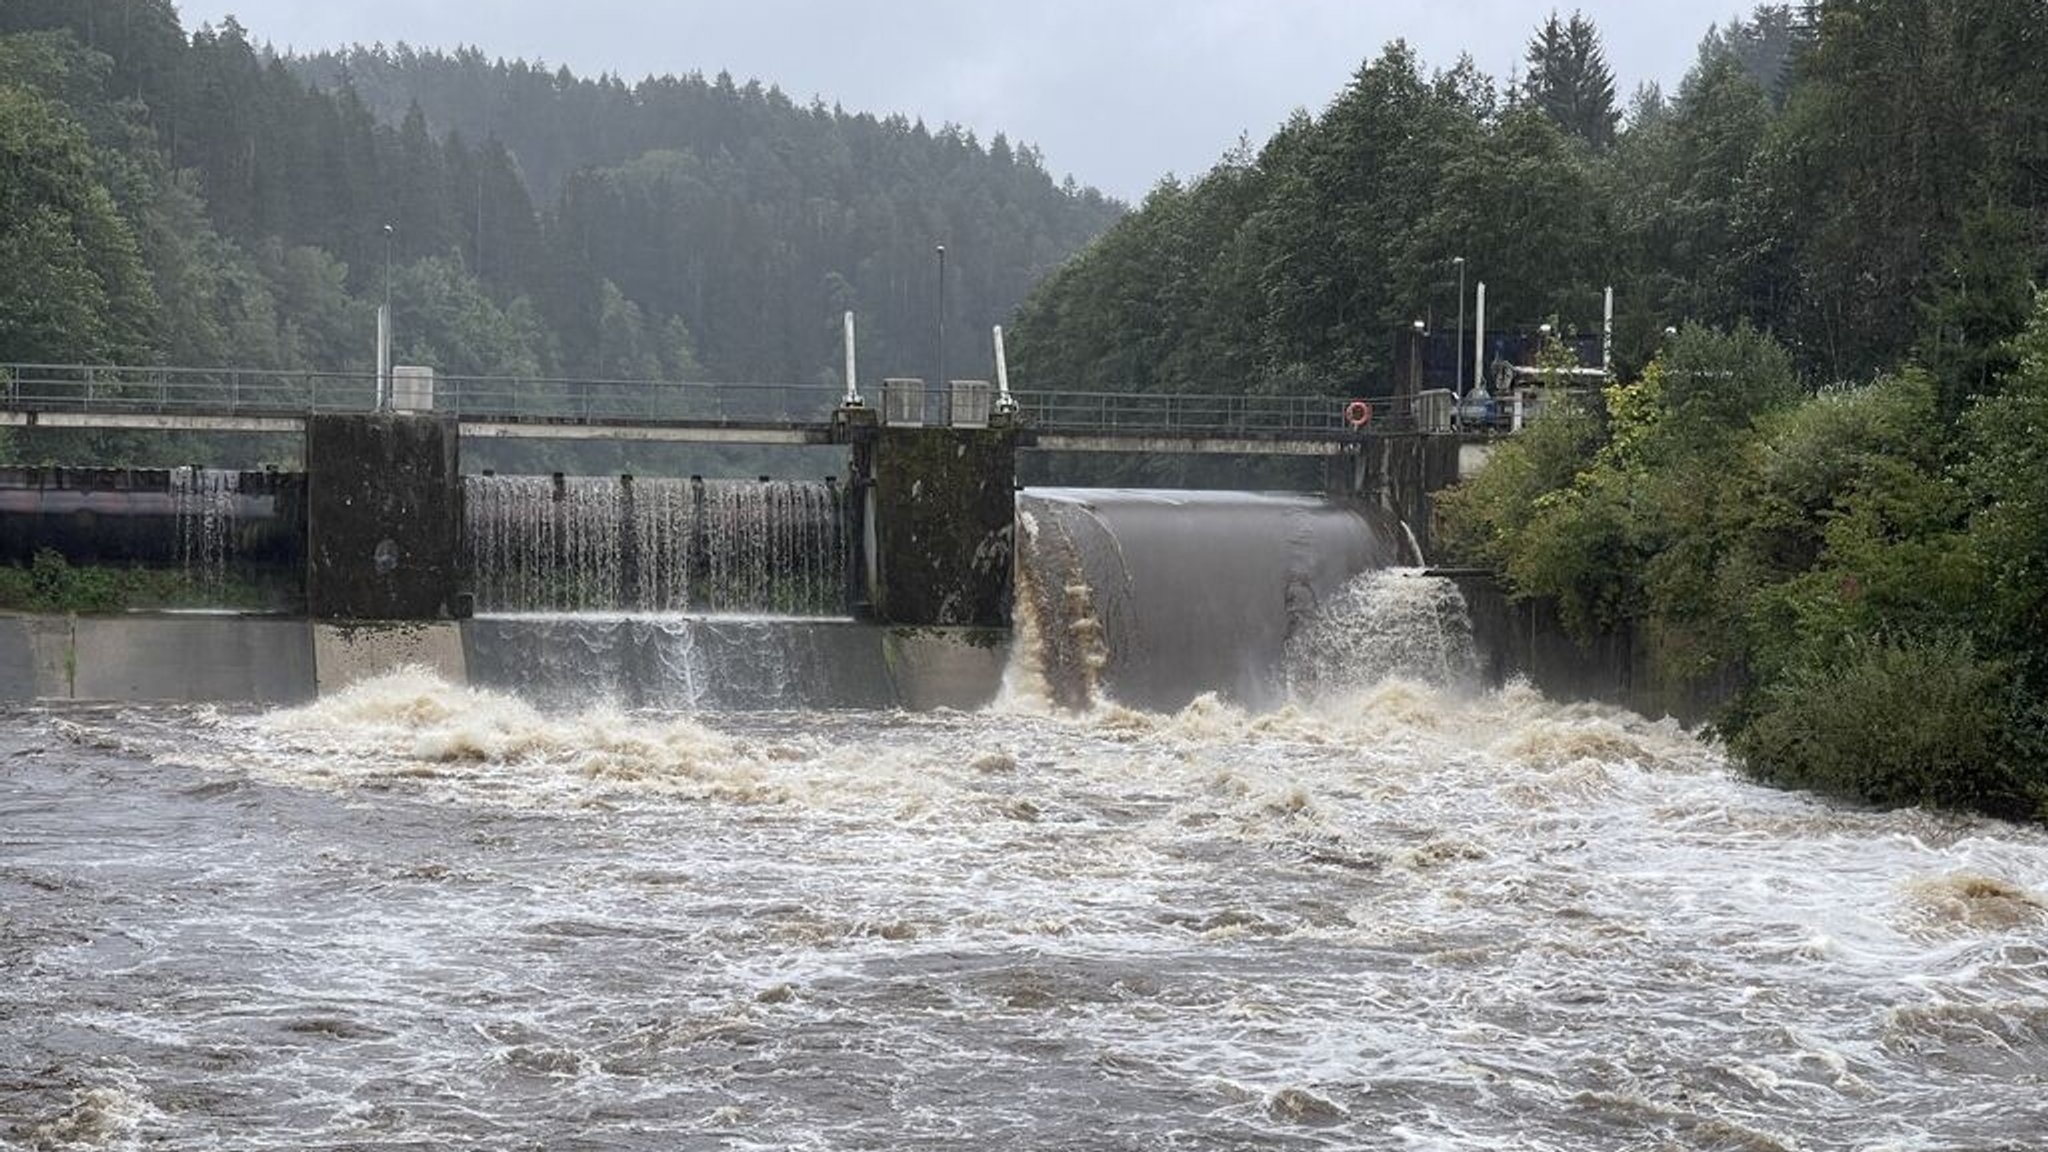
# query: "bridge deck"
[[233, 400]]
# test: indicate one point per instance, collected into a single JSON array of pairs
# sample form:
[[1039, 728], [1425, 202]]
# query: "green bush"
[[1894, 722], [52, 584]]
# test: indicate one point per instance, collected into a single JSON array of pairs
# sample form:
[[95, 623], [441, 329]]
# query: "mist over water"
[[1389, 909]]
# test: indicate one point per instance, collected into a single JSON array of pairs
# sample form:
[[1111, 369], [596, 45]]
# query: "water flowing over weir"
[[1156, 597], [633, 544], [207, 504], [680, 663]]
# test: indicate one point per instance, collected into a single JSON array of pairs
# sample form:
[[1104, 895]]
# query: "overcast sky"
[[1117, 92]]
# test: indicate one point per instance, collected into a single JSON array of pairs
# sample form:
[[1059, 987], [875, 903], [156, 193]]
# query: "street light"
[[1415, 357], [941, 249], [384, 328], [1459, 387]]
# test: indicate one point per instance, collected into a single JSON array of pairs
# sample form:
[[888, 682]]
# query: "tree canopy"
[[1865, 180], [196, 198]]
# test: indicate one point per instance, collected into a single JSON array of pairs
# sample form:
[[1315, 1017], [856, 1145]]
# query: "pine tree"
[[1570, 81]]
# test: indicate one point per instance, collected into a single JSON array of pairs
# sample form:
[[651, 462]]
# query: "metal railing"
[[633, 401], [1257, 417], [248, 392], [116, 390], [218, 391]]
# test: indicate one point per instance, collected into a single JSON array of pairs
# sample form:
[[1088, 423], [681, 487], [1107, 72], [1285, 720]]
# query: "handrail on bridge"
[[265, 392], [1251, 415], [114, 389]]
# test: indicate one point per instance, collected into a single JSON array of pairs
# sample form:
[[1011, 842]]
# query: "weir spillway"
[[1154, 597], [654, 545]]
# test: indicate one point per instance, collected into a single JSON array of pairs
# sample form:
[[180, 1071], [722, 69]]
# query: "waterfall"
[[1381, 625], [207, 506], [681, 663], [1151, 598], [629, 544]]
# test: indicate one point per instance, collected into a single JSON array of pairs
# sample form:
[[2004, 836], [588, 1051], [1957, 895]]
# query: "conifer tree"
[[1569, 79]]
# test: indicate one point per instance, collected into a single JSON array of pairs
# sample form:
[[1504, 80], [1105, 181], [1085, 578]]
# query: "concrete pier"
[[938, 525], [1402, 474], [384, 518]]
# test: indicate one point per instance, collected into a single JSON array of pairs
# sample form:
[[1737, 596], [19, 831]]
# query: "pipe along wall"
[[382, 526]]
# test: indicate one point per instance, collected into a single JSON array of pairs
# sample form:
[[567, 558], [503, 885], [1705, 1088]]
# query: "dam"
[[384, 551]]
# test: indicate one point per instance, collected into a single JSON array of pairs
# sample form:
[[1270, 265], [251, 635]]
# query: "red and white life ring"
[[1358, 413]]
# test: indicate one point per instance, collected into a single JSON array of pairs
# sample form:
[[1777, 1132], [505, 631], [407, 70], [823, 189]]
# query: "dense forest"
[[1867, 180], [1819, 485], [191, 198]]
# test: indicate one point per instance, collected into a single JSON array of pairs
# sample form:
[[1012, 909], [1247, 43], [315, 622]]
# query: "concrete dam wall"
[[657, 662], [892, 588]]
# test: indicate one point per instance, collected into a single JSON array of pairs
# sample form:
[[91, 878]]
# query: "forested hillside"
[[1865, 179], [175, 196]]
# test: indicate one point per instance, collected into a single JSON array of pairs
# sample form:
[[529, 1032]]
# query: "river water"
[[1400, 914]]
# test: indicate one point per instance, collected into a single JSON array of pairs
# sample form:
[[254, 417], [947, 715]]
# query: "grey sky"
[[1118, 92]]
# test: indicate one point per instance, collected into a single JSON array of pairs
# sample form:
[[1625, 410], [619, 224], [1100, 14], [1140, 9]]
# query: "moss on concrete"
[[945, 519]]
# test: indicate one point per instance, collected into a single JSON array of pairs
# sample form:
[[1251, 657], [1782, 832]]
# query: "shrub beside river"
[[1874, 566]]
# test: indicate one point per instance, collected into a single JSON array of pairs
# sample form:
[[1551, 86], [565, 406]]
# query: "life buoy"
[[1358, 413]]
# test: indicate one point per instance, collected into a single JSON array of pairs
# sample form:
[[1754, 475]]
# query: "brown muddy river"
[[422, 917]]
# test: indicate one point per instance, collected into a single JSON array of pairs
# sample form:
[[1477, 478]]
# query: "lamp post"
[[1459, 387], [384, 328], [1415, 380], [941, 250]]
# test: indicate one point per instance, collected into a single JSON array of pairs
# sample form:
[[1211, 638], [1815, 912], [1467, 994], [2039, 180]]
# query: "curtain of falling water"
[[206, 503], [1156, 597], [611, 544]]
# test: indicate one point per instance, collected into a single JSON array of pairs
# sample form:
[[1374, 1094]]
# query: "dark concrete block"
[[384, 518], [1528, 639], [942, 522], [1402, 473]]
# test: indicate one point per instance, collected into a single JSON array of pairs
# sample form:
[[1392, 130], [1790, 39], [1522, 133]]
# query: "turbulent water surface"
[[1401, 915]]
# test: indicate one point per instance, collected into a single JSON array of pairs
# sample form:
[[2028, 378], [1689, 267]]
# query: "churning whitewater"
[[1394, 913]]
